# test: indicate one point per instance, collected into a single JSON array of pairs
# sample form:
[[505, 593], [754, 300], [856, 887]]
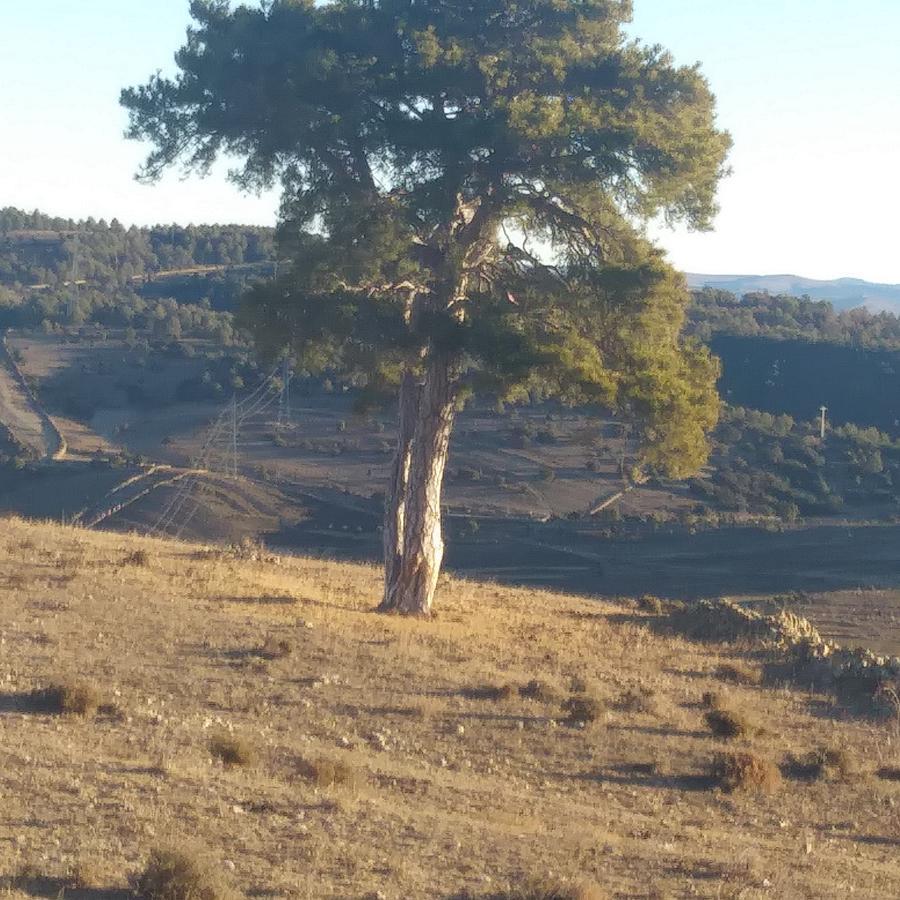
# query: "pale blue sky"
[[810, 90]]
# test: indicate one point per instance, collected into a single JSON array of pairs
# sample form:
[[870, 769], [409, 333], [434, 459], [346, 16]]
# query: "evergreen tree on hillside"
[[464, 186]]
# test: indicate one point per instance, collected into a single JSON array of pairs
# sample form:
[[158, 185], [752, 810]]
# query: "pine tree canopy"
[[463, 180]]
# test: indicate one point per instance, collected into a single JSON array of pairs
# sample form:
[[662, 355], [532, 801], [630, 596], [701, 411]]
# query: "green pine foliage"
[[39, 249], [464, 185], [782, 317], [771, 465]]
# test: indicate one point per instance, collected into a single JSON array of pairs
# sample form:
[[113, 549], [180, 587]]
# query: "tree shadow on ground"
[[875, 840], [644, 775], [27, 703], [262, 601], [660, 731], [44, 886]]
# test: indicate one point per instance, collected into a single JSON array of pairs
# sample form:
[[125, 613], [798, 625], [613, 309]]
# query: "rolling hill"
[[843, 293], [252, 712]]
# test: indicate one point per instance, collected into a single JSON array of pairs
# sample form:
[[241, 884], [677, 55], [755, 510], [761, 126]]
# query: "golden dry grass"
[[449, 795]]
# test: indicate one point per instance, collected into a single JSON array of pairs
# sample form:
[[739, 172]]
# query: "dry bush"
[[85, 875], [180, 875], [713, 699], [642, 700], [729, 723], [583, 708], [823, 763], [545, 889], [737, 673], [490, 692], [232, 750], [250, 549], [649, 603], [889, 773], [329, 773], [539, 690], [137, 558], [67, 698], [28, 870], [745, 772], [276, 648]]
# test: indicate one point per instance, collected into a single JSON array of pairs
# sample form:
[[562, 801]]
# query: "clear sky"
[[810, 90]]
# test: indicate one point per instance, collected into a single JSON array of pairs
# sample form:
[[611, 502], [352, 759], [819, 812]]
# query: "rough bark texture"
[[415, 574], [395, 495]]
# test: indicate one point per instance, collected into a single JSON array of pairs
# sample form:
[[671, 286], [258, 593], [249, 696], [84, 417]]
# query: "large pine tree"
[[465, 187]]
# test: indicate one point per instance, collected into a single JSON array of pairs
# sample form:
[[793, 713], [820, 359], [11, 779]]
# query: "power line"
[[219, 452]]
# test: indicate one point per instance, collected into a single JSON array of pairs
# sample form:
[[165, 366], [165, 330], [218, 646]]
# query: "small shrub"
[[824, 763], [180, 875], [329, 773], [85, 875], [137, 558], [712, 699], [729, 723], [538, 690], [545, 889], [250, 549], [583, 708], [735, 673], [232, 750], [577, 685], [66, 698], [276, 648], [889, 773], [28, 871], [745, 772], [649, 603], [642, 700]]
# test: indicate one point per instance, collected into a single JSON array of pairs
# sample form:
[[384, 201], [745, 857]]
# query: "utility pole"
[[822, 410], [284, 403], [234, 431], [72, 299]]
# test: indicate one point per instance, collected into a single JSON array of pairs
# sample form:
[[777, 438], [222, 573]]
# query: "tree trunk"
[[395, 494], [414, 579]]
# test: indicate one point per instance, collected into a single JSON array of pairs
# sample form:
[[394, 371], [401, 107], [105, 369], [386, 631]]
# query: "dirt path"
[[21, 415]]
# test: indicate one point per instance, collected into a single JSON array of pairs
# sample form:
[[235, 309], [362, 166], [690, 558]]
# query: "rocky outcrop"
[[726, 620], [823, 661]]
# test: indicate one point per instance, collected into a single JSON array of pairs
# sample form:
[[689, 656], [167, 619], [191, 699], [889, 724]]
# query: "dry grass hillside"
[[255, 715]]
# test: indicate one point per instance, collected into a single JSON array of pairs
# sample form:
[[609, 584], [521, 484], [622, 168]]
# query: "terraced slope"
[[21, 415]]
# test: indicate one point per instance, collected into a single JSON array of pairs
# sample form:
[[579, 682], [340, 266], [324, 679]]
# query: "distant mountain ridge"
[[843, 293]]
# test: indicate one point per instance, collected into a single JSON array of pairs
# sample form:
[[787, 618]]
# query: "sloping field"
[[255, 712], [21, 416]]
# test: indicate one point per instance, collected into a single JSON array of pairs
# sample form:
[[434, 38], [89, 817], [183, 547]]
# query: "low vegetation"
[[826, 763], [178, 874], [66, 698], [583, 709], [745, 771], [738, 673], [729, 722], [327, 772], [782, 317], [232, 750], [772, 465]]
